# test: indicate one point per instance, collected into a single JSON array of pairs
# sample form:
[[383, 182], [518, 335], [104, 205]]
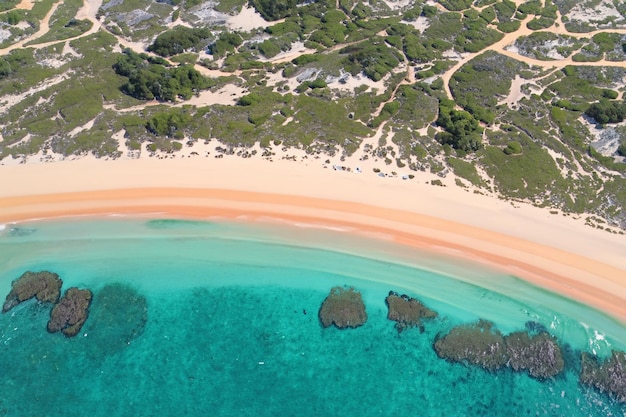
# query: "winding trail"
[[44, 27], [510, 38], [90, 8]]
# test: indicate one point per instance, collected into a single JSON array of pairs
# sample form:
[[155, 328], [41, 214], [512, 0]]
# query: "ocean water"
[[220, 318]]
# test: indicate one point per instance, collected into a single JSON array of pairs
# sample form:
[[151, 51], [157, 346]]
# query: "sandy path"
[[556, 252], [510, 38], [44, 27]]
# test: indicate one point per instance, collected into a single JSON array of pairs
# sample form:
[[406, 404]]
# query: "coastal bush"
[[466, 170], [456, 5], [505, 10], [513, 148], [540, 23], [509, 27], [169, 123], [179, 40], [461, 130], [533, 7], [375, 59], [274, 9], [15, 61], [149, 79], [478, 84], [607, 111], [227, 42]]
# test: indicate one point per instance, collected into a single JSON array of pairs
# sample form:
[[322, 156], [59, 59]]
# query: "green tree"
[[607, 111]]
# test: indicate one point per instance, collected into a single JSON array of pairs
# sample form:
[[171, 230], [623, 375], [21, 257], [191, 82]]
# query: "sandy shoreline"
[[556, 252]]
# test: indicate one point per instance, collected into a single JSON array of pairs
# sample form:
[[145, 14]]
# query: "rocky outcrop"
[[69, 315], [406, 311], [344, 308], [539, 354], [477, 344], [608, 376], [44, 285]]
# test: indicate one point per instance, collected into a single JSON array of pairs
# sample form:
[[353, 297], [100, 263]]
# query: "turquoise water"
[[230, 327]]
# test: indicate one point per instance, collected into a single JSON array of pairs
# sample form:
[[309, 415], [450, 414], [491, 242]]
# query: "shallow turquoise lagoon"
[[230, 327]]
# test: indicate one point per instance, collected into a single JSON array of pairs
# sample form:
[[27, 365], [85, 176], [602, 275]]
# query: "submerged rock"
[[476, 344], [540, 355], [406, 311], [118, 314], [44, 285], [344, 308], [69, 315], [608, 376]]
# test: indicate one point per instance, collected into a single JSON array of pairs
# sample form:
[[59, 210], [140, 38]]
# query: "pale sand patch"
[[248, 19], [227, 95], [594, 12], [25, 4], [515, 93], [556, 252]]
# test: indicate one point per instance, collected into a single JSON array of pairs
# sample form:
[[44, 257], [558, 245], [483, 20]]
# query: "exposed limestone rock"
[[44, 285], [344, 308], [406, 311], [475, 344], [540, 355], [608, 376], [69, 315], [478, 344]]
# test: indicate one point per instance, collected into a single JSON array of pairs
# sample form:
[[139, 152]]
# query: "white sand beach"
[[557, 252]]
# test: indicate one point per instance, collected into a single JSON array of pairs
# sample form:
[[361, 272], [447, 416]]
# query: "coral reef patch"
[[477, 344], [406, 311], [44, 285], [118, 314], [69, 315], [480, 344], [607, 376], [539, 354], [343, 308]]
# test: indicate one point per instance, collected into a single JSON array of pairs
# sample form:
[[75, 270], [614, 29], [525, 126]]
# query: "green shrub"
[[275, 9], [179, 40], [149, 79], [606, 111], [513, 148]]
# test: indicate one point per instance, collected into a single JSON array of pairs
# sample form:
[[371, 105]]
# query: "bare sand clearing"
[[556, 252]]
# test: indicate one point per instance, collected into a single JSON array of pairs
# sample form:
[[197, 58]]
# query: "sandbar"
[[554, 251]]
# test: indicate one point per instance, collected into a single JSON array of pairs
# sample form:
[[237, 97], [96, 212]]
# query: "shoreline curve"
[[452, 223]]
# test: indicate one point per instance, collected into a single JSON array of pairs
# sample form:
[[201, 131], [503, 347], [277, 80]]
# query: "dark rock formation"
[[475, 344], [478, 344], [69, 315], [117, 315], [608, 376], [406, 311], [44, 285], [344, 308], [540, 355]]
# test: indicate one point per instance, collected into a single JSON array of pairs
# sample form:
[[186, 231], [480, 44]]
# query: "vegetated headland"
[[522, 100]]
